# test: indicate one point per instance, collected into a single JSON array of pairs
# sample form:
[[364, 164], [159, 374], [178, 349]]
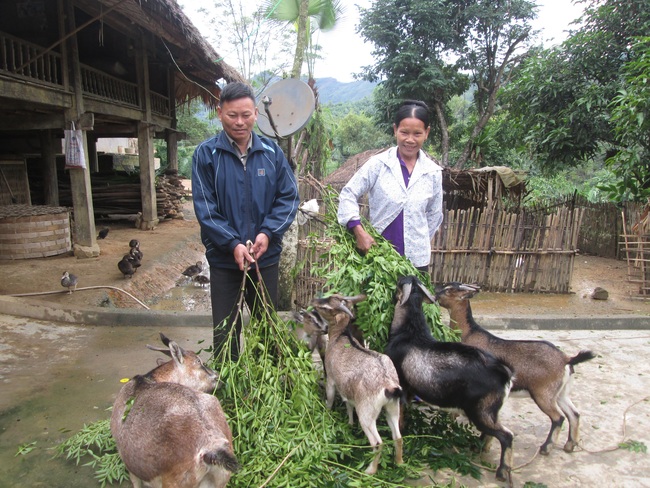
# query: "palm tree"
[[308, 16]]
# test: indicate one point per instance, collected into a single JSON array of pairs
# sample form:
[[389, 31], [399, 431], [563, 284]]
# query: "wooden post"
[[48, 165], [147, 177], [171, 136], [93, 161], [172, 149], [85, 245], [145, 144]]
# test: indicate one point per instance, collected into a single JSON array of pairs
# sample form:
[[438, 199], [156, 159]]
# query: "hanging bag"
[[74, 149]]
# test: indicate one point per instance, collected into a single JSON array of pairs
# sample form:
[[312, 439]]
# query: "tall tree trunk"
[[290, 241], [444, 134], [301, 44]]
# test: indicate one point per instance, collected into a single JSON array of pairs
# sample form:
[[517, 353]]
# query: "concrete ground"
[[57, 377]]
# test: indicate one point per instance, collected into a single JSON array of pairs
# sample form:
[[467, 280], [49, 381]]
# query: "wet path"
[[55, 378]]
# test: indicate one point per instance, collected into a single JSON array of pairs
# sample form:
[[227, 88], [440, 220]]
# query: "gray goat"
[[540, 368], [169, 430], [449, 375], [365, 379]]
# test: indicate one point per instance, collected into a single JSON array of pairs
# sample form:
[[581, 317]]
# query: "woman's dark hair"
[[412, 108], [235, 91]]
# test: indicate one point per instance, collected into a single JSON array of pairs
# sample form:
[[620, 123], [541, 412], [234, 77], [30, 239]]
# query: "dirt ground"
[[175, 244]]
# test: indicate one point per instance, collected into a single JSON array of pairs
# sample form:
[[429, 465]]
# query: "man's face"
[[238, 118]]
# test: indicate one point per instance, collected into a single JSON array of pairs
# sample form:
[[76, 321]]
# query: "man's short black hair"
[[235, 91]]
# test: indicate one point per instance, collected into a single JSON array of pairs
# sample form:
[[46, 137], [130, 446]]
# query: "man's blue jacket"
[[234, 203]]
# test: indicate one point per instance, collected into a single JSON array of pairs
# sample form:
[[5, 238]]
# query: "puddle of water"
[[186, 296], [57, 378]]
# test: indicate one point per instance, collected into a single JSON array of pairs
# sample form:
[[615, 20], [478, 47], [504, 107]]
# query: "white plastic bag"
[[74, 149]]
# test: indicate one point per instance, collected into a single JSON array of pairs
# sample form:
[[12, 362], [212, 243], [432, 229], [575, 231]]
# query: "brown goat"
[[540, 368], [169, 430], [366, 380]]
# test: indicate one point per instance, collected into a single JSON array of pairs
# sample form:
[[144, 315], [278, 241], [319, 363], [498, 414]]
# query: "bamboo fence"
[[496, 249], [507, 252], [635, 245]]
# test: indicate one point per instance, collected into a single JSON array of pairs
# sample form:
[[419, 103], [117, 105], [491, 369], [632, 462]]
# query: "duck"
[[135, 257], [126, 266], [134, 246], [194, 270], [202, 280], [69, 281], [103, 233]]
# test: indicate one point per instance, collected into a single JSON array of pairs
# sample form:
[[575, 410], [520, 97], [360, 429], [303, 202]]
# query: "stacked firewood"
[[118, 197]]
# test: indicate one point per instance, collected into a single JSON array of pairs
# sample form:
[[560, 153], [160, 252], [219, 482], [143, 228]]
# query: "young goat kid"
[[448, 374], [540, 368], [365, 379], [169, 431]]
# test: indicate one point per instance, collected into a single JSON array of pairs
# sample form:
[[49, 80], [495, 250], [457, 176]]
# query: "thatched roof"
[[472, 184], [200, 67]]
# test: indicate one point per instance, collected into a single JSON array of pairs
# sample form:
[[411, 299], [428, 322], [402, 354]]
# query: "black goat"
[[448, 374]]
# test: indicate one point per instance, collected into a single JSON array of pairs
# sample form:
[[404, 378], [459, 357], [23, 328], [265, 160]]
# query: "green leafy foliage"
[[634, 446], [433, 50], [375, 274], [25, 448], [631, 119], [561, 97], [95, 442]]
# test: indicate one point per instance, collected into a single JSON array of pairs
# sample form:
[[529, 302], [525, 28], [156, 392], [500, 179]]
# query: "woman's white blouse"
[[381, 178]]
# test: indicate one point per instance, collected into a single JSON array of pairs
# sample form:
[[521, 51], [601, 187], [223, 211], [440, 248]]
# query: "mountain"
[[331, 91]]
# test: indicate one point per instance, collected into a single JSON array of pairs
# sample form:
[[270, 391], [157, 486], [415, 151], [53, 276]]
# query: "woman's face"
[[410, 135]]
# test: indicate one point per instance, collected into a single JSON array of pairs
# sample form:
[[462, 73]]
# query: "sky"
[[345, 53]]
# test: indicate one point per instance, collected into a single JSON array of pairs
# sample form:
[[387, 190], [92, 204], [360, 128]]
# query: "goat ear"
[[176, 352], [164, 350]]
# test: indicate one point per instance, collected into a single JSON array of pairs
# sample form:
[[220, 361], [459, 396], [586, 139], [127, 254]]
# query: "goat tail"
[[581, 357], [222, 457], [395, 392]]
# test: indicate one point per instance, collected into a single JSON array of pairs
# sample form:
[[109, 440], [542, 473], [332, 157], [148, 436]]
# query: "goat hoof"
[[569, 446], [545, 449], [503, 474]]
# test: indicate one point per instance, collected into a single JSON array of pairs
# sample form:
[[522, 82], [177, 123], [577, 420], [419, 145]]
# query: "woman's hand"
[[364, 240]]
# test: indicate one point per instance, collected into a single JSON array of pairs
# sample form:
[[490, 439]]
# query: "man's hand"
[[261, 245], [364, 240], [242, 257]]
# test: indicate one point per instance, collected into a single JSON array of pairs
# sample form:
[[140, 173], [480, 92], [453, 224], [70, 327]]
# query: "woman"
[[404, 190]]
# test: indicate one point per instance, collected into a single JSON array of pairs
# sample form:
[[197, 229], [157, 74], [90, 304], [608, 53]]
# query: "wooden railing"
[[98, 83], [25, 60], [159, 104]]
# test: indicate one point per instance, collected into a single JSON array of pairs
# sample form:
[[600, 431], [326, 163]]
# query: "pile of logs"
[[118, 197]]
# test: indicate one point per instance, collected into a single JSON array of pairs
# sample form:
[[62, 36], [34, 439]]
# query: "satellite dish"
[[285, 107]]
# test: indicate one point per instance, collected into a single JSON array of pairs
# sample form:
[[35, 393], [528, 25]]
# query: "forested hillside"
[[331, 91]]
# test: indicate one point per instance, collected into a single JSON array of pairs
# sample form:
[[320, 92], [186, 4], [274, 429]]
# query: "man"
[[243, 190]]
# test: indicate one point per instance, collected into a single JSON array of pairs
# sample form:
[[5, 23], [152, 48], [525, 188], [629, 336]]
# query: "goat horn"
[[345, 309], [406, 293], [426, 292]]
